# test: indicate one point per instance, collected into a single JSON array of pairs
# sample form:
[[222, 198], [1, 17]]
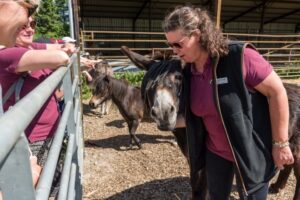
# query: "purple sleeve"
[[39, 45], [256, 68], [10, 57]]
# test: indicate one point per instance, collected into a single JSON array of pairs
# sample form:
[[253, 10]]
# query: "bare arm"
[[69, 48], [53, 46], [40, 59], [274, 90]]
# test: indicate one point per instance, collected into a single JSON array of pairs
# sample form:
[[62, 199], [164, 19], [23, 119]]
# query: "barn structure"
[[243, 16], [272, 25]]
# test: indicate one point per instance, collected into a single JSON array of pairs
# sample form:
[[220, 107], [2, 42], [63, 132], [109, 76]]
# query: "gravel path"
[[156, 172]]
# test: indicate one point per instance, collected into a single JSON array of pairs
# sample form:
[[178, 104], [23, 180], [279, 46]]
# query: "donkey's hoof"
[[125, 148], [139, 145], [274, 189], [130, 147]]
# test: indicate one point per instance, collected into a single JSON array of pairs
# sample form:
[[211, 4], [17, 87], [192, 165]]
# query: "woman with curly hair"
[[236, 108]]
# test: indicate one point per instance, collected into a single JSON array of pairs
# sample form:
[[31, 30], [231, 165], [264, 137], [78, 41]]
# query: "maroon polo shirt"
[[45, 122], [255, 70]]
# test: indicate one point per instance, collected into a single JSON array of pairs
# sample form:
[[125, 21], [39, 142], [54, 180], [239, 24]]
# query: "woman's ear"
[[197, 33]]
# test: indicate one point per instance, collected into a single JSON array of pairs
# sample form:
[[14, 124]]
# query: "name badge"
[[221, 81]]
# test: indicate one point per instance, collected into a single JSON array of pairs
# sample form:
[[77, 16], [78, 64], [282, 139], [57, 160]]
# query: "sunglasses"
[[27, 5], [177, 45], [31, 25]]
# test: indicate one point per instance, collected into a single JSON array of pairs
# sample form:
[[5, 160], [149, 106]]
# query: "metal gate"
[[15, 170]]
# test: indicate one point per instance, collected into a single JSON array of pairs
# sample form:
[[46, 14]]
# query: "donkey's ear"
[[140, 61]]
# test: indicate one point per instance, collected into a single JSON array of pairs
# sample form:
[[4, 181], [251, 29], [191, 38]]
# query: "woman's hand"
[[68, 48], [87, 62], [282, 156]]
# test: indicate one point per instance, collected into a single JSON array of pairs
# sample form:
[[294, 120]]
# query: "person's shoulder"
[[12, 54], [13, 50], [36, 45], [251, 52]]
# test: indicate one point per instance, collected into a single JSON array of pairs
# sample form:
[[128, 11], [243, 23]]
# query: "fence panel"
[[279, 50], [15, 170]]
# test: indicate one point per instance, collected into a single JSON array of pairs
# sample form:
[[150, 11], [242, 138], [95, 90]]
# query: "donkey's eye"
[[178, 77], [169, 85]]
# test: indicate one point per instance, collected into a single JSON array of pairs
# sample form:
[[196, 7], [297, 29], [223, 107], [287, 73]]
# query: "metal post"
[[65, 176], [15, 173], [71, 20], [44, 185], [218, 8]]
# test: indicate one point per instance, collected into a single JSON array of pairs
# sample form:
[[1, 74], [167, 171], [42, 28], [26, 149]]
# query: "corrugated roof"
[[279, 11]]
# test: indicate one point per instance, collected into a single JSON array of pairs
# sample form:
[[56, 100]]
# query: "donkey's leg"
[[180, 135], [132, 125], [297, 175], [102, 108], [295, 145], [296, 154], [281, 180], [129, 123], [107, 107], [199, 186]]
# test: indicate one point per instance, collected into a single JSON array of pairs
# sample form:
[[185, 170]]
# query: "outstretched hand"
[[68, 48], [282, 156]]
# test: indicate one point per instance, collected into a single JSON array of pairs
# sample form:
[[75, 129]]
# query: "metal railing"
[[15, 170]]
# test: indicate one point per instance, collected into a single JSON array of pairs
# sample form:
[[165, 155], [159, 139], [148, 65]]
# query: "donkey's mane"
[[119, 87]]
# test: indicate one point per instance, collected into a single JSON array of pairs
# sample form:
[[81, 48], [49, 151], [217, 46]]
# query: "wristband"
[[280, 144]]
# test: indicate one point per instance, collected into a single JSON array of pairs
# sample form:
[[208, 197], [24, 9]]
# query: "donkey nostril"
[[172, 109], [153, 113], [92, 105]]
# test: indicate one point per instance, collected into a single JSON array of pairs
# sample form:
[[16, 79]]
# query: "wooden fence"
[[282, 51]]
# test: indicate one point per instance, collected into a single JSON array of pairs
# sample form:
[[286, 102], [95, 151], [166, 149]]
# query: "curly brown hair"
[[190, 18]]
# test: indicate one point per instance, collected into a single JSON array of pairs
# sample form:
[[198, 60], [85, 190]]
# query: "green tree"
[[62, 6], [50, 23]]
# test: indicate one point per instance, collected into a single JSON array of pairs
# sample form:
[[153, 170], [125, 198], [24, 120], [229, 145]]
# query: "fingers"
[[280, 167], [282, 156], [286, 161], [290, 161], [69, 50]]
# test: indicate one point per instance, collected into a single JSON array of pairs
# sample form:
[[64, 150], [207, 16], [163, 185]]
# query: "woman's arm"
[[274, 90], [40, 59], [53, 46], [69, 48]]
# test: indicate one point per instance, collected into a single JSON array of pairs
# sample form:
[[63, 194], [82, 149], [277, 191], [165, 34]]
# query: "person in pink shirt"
[[36, 62], [13, 15], [236, 108]]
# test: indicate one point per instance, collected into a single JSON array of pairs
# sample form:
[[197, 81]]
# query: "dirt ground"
[[158, 171]]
